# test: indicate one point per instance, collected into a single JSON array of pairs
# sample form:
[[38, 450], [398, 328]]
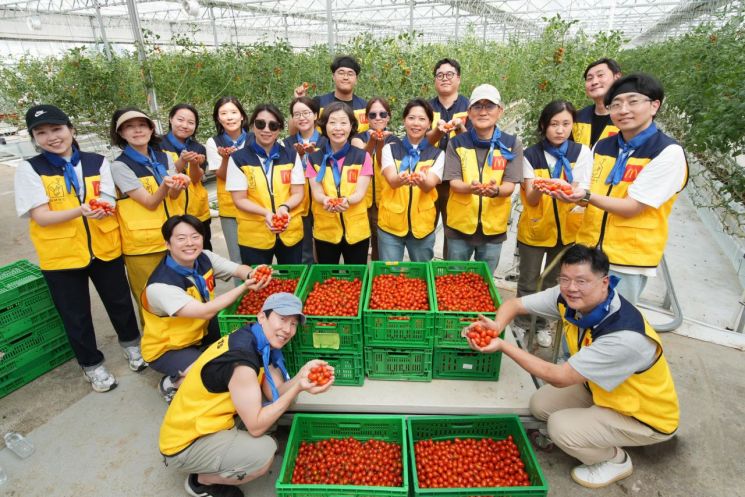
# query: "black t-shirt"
[[217, 373], [597, 126]]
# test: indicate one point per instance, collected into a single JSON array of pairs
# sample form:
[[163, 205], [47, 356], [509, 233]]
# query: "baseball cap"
[[45, 114], [133, 114], [284, 304], [485, 92]]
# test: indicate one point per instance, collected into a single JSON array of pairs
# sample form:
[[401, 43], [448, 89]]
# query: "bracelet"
[[285, 206], [496, 194]]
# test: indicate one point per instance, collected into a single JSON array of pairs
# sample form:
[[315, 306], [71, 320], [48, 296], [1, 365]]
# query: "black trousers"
[[207, 245], [69, 289], [329, 253], [285, 255]]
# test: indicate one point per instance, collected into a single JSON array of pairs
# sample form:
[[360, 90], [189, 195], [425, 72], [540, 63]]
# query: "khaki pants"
[[139, 269], [585, 431]]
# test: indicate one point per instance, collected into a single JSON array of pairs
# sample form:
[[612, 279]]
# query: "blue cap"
[[284, 304]]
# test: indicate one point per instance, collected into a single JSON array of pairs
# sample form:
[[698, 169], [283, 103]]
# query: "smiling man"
[[593, 122], [615, 390]]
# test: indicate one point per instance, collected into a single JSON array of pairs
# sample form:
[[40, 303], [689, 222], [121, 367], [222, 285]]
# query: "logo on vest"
[[498, 163], [361, 116], [251, 180], [286, 175], [631, 173], [96, 188], [210, 281], [56, 189], [352, 175]]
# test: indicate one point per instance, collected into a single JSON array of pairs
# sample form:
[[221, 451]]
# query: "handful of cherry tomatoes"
[[262, 273], [280, 221], [95, 203], [480, 334], [320, 375], [549, 185], [336, 201]]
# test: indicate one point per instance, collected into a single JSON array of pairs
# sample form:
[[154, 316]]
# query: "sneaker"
[[100, 379], [167, 389], [196, 489], [134, 357], [602, 474], [544, 338]]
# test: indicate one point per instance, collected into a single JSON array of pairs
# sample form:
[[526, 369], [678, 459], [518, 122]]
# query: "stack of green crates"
[[453, 359], [32, 338], [335, 339], [398, 344]]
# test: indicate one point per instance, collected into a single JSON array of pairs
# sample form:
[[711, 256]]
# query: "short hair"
[[638, 83], [272, 109], [307, 101], [444, 61], [550, 110], [345, 61], [419, 102], [582, 254], [336, 107], [614, 67], [172, 222], [216, 113], [120, 142], [70, 127], [380, 100], [188, 107]]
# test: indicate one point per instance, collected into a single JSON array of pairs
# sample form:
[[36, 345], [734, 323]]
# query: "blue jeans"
[[461, 250], [630, 286], [391, 247]]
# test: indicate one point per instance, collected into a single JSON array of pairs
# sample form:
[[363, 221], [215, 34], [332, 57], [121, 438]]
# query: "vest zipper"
[[558, 223], [85, 219], [481, 197], [271, 193], [604, 221], [341, 214]]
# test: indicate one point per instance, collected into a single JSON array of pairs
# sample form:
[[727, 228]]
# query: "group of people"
[[339, 183]]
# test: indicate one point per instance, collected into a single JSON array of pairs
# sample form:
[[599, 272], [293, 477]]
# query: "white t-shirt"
[[236, 180], [581, 172], [386, 161]]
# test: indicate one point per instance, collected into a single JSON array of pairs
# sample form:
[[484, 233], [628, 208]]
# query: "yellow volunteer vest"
[[582, 128], [375, 190], [320, 142], [194, 201], [225, 205]]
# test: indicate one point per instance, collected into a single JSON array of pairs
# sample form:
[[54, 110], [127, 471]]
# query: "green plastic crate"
[[332, 333], [348, 366], [458, 364], [21, 315], [448, 324], [14, 380], [394, 328], [26, 353], [316, 427], [18, 280], [33, 342], [227, 319], [493, 426], [384, 363]]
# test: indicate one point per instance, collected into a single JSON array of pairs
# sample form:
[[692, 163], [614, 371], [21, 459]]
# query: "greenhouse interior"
[[275, 338]]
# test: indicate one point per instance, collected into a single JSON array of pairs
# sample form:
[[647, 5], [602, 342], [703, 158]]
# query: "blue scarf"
[[330, 156], [313, 139], [180, 147], [237, 143], [624, 152], [158, 169], [269, 356], [268, 159], [562, 163], [411, 159], [68, 167], [193, 272], [491, 145], [595, 316]]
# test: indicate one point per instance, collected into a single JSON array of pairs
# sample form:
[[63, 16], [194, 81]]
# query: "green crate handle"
[[327, 325], [398, 318], [21, 337], [350, 425], [468, 319]]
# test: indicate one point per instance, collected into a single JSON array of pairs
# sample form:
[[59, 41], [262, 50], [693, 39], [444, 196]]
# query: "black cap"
[[45, 114]]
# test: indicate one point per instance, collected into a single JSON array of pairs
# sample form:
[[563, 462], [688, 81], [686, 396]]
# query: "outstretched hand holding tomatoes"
[[483, 335], [316, 376], [258, 278]]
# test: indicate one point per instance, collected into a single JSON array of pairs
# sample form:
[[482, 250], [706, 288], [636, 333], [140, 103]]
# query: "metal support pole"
[[330, 23], [152, 99], [214, 27], [457, 20], [106, 48], [485, 29], [411, 19], [95, 37], [287, 31], [612, 15]]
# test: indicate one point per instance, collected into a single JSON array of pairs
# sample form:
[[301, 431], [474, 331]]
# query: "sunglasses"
[[261, 124], [374, 115]]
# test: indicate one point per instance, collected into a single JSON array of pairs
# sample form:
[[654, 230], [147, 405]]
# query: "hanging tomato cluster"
[[463, 292], [349, 462], [252, 301], [469, 462], [334, 297], [399, 292]]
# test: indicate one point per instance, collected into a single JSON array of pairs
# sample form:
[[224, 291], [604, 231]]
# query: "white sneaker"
[[602, 474], [544, 338], [100, 379], [134, 357]]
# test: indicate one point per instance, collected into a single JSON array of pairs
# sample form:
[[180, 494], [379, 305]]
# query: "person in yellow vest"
[[593, 122], [378, 114], [231, 124], [615, 390], [265, 181], [75, 241], [339, 177], [179, 301], [483, 166], [241, 374], [636, 178], [148, 188], [412, 169], [548, 225], [189, 157]]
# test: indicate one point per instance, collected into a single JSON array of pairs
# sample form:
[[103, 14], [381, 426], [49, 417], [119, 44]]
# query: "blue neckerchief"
[[194, 273], [313, 139], [268, 159], [237, 143], [269, 356], [68, 167], [595, 316], [562, 163], [411, 159], [330, 156], [158, 169], [624, 152], [491, 144], [180, 147]]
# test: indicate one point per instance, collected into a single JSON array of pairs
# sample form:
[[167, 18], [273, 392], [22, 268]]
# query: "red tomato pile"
[[378, 135], [334, 297], [95, 203], [280, 221], [252, 301], [463, 292], [469, 462], [262, 273], [399, 292], [481, 335], [320, 375], [336, 201], [548, 185], [349, 462]]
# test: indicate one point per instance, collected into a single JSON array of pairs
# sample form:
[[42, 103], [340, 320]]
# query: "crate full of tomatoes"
[[462, 456], [285, 278], [331, 455], [332, 303]]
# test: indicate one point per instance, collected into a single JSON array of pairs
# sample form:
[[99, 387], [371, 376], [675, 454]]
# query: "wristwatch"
[[586, 199]]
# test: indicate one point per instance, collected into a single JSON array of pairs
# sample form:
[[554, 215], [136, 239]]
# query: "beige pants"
[[585, 431], [139, 269]]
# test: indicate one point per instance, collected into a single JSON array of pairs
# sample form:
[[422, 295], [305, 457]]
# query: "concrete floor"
[[91, 444]]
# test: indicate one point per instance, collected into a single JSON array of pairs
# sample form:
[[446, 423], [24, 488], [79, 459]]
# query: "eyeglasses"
[[631, 104], [375, 115], [346, 74], [580, 283], [261, 124], [440, 76], [478, 107], [305, 113]]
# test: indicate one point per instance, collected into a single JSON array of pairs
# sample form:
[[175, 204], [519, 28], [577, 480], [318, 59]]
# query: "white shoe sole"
[[588, 484], [133, 368]]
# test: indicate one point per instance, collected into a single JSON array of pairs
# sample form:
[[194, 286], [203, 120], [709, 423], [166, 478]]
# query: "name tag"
[[352, 175]]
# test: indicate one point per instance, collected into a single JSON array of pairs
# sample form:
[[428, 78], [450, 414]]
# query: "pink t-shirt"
[[367, 168]]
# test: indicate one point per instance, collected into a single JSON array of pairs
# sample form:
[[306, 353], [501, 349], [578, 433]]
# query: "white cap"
[[133, 114], [485, 92]]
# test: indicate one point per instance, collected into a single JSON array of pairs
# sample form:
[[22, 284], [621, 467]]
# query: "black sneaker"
[[196, 489]]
